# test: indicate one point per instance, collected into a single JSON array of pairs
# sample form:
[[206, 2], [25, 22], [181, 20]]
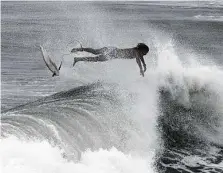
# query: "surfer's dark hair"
[[143, 47]]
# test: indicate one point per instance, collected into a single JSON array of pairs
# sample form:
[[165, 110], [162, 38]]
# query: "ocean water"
[[104, 117]]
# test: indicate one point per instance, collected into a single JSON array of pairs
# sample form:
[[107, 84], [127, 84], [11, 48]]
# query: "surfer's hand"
[[142, 73]]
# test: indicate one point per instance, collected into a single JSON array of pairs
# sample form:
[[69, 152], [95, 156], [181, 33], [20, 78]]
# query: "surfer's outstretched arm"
[[90, 50], [140, 66], [143, 63], [90, 59]]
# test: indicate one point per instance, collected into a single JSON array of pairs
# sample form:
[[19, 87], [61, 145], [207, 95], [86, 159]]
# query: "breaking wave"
[[131, 125]]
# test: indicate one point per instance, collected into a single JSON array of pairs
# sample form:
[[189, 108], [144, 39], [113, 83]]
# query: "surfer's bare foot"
[[75, 61]]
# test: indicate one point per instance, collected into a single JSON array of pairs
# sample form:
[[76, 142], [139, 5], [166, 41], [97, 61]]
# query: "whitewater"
[[105, 117]]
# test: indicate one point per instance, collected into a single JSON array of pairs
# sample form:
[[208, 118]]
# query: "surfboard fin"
[[60, 66], [54, 74]]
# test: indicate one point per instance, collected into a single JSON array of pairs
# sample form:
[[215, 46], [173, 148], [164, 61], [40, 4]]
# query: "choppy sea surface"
[[105, 117]]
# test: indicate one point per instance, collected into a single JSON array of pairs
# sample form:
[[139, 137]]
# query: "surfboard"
[[49, 62]]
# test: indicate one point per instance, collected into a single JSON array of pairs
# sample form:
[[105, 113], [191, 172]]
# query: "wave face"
[[105, 117], [61, 127], [81, 118]]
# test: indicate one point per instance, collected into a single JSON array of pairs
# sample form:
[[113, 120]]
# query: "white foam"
[[36, 157], [173, 73]]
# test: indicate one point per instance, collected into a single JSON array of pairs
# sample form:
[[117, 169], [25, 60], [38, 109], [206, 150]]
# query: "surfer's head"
[[143, 48]]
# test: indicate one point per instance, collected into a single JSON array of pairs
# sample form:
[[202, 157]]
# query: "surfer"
[[108, 53]]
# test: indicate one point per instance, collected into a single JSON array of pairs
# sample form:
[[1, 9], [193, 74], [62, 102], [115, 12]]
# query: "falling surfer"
[[49, 63], [108, 53]]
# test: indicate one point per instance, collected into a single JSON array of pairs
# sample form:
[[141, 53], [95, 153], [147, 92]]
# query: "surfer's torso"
[[115, 53]]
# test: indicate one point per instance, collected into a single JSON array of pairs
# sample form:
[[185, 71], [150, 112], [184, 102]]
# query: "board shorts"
[[109, 52]]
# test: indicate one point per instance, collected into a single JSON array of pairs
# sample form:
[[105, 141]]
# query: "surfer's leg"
[[76, 50], [93, 51], [99, 58], [90, 50]]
